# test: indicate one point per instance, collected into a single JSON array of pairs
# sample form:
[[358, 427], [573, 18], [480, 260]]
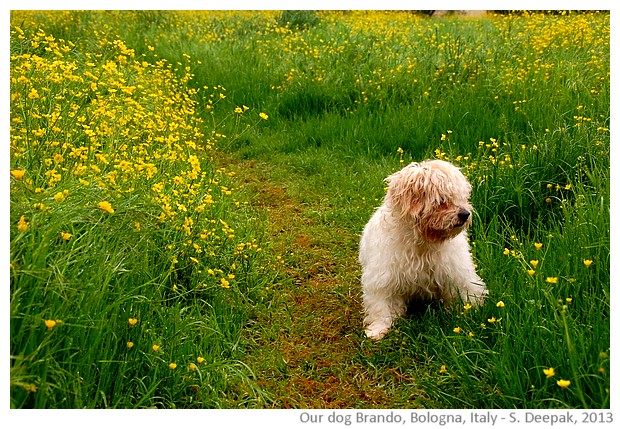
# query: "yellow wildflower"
[[531, 272], [18, 174], [563, 383], [50, 324], [552, 280], [457, 330], [65, 235], [225, 283], [587, 263], [60, 196], [534, 263], [106, 207], [442, 369], [192, 366], [132, 321], [155, 347], [467, 307], [129, 344], [500, 304], [263, 116], [172, 365], [538, 246], [200, 359], [549, 372], [22, 224], [506, 251]]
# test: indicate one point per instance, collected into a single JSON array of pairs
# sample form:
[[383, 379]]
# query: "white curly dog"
[[415, 245]]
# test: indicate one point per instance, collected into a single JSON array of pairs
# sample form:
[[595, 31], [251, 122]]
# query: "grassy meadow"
[[187, 190]]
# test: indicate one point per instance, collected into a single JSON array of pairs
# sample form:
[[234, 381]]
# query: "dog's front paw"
[[377, 330]]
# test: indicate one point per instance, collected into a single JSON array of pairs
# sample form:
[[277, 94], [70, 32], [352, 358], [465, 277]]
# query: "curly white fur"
[[415, 245]]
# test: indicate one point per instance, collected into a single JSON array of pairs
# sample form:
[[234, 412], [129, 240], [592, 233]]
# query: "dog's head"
[[432, 195]]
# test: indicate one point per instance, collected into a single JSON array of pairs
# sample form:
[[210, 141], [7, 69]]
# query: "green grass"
[[519, 102]]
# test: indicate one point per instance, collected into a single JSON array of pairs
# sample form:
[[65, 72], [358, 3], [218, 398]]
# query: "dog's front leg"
[[380, 312]]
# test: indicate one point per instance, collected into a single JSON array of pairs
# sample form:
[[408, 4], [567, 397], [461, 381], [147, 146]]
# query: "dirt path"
[[309, 344]]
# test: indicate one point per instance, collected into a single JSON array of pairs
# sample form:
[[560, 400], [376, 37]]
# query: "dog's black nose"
[[463, 215]]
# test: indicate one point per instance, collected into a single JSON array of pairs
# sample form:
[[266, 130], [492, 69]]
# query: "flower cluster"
[[120, 130]]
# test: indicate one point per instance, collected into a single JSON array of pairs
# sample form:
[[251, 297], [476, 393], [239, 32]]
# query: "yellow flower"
[[129, 344], [192, 366], [549, 372], [18, 174], [263, 115], [563, 383], [50, 324], [457, 330], [172, 365], [552, 280], [22, 224], [506, 251], [442, 369], [155, 347], [66, 235], [60, 196], [30, 387], [531, 272], [538, 246], [132, 321], [534, 263], [500, 304], [106, 207], [467, 307], [569, 300], [587, 263], [225, 283], [200, 359]]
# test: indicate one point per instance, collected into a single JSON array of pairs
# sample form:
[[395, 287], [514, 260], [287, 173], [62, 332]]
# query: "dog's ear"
[[405, 190]]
